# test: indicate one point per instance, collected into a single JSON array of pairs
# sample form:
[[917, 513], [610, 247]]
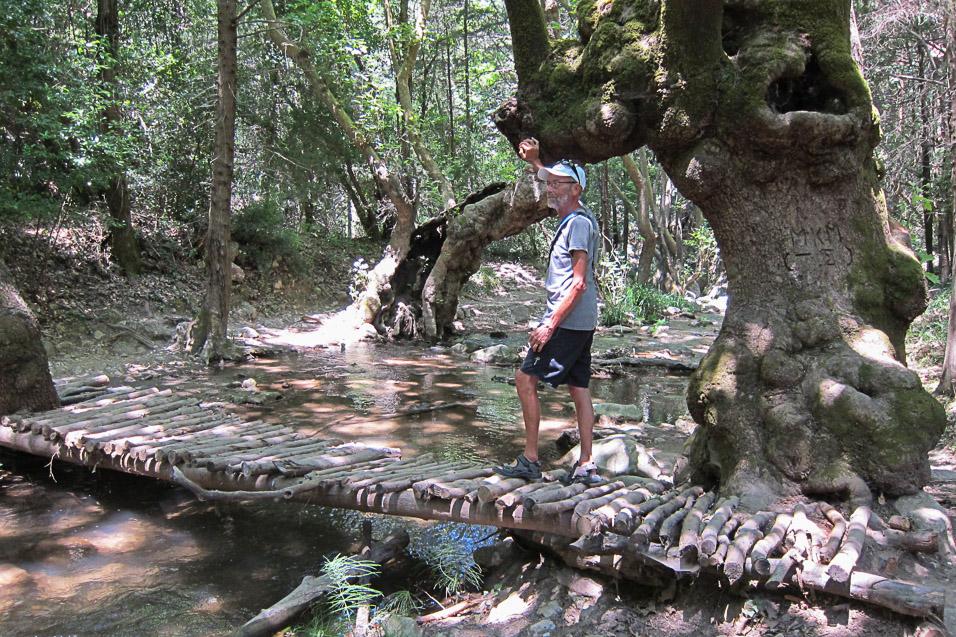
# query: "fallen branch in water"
[[281, 614], [454, 610]]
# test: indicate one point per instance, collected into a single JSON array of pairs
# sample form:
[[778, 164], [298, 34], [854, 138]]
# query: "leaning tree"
[[760, 116]]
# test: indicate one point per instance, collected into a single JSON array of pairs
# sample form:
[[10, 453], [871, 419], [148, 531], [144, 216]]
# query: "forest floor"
[[97, 322]]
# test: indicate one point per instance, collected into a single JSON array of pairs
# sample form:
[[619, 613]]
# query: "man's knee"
[[525, 382]]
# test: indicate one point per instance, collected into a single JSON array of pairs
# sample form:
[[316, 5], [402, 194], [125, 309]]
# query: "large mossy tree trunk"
[[759, 115], [25, 381], [423, 294]]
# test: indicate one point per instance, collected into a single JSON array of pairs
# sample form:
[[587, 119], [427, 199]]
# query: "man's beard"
[[557, 202]]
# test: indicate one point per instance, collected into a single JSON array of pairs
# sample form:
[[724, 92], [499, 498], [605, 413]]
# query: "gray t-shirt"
[[577, 232]]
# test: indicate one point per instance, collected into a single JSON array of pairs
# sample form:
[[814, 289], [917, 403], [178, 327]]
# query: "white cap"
[[564, 168]]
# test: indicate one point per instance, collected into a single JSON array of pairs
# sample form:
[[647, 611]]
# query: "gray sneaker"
[[521, 468], [584, 474]]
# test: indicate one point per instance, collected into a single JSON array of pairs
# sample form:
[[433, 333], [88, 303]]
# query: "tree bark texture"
[[947, 383], [25, 381], [122, 239], [759, 115], [209, 334], [423, 295]]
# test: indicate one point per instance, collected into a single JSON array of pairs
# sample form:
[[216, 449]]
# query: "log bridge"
[[628, 526]]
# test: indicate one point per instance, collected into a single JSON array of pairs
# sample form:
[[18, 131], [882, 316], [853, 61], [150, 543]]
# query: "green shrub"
[[263, 238], [637, 303]]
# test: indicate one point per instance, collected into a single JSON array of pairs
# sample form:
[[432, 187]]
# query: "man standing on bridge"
[[560, 346]]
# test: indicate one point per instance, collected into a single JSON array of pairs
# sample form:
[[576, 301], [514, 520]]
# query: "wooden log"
[[901, 597], [296, 468], [601, 544], [654, 518], [148, 424], [496, 486], [530, 494], [190, 426], [422, 487], [224, 445], [319, 479], [451, 490], [76, 436], [173, 438], [835, 537], [416, 473], [602, 516], [423, 460], [57, 428], [723, 542], [264, 460], [724, 538], [671, 527], [80, 397], [747, 535], [691, 527], [581, 517], [782, 569], [845, 560], [273, 619], [629, 517], [766, 546], [454, 610], [568, 504], [97, 380], [708, 536]]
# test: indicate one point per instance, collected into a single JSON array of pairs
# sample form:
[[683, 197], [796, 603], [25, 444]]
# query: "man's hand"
[[529, 150], [540, 336]]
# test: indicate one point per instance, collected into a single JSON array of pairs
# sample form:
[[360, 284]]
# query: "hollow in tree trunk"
[[759, 115]]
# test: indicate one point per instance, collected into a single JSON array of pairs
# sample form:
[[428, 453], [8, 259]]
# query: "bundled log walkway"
[[627, 524]]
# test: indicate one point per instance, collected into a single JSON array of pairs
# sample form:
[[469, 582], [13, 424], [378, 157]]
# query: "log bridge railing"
[[629, 526]]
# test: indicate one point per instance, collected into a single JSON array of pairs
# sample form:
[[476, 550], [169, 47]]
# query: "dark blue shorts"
[[565, 358]]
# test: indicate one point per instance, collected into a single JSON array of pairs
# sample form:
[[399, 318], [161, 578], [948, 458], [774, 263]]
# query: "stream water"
[[110, 554]]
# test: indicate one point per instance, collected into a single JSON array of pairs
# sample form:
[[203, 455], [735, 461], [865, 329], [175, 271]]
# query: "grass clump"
[[636, 304]]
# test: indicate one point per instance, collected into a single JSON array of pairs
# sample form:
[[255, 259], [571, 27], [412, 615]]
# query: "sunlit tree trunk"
[[122, 239], [947, 384], [404, 61], [925, 150], [642, 216], [208, 334]]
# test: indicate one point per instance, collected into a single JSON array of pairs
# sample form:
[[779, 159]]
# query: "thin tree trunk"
[[209, 330], [403, 78], [451, 101], [122, 239], [607, 232], [925, 150], [467, 61], [625, 213], [947, 384], [386, 180], [642, 216]]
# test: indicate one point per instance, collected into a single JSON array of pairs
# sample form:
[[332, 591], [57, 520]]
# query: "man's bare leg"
[[527, 386], [584, 410]]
